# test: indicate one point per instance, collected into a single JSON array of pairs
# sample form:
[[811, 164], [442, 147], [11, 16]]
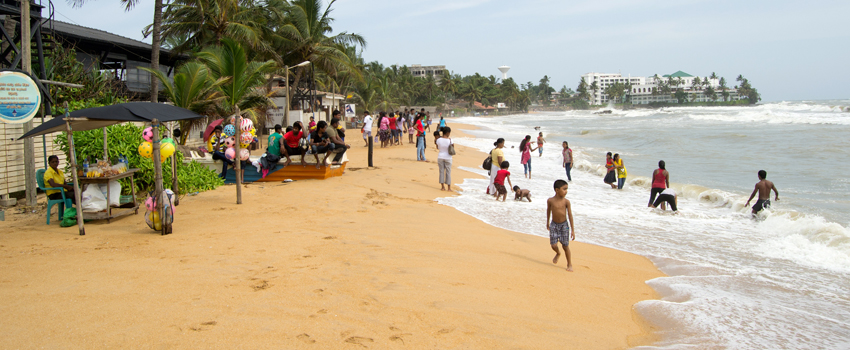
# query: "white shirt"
[[367, 123], [669, 191], [443, 145]]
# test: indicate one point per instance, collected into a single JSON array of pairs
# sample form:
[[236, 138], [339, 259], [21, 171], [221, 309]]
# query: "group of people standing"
[[393, 125]]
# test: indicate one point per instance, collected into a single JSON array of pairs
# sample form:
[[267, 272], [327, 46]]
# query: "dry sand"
[[368, 259]]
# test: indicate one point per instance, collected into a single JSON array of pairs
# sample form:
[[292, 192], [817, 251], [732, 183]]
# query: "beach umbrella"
[[99, 117], [210, 128]]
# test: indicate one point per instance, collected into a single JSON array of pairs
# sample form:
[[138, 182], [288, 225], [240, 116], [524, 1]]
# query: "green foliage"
[[99, 88], [124, 139], [580, 104]]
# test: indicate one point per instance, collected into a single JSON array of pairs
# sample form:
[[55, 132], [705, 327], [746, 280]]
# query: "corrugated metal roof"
[[91, 34]]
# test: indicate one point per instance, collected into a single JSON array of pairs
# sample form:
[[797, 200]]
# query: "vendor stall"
[[100, 117], [109, 213]]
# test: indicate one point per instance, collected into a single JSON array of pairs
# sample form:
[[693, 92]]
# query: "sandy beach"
[[368, 259]]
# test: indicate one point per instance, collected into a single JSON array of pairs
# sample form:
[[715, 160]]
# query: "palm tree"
[[367, 94], [386, 94], [194, 89], [472, 91], [304, 37], [723, 88], [229, 61], [593, 88], [207, 22]]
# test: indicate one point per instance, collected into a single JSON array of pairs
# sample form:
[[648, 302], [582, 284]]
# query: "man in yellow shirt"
[[54, 177]]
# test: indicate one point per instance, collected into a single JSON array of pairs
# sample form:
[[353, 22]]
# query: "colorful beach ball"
[[169, 140], [166, 150], [147, 134], [230, 153], [247, 137], [146, 149], [229, 142], [244, 154], [229, 130], [247, 124]]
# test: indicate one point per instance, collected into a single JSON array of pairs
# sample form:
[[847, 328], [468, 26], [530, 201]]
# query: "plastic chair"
[[63, 203]]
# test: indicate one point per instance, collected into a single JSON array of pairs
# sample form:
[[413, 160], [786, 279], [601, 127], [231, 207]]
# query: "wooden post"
[[105, 146], [29, 143], [237, 161], [157, 173], [370, 151], [77, 189], [288, 101]]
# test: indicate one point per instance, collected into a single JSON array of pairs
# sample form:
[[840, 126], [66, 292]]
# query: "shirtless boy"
[[763, 188], [559, 209]]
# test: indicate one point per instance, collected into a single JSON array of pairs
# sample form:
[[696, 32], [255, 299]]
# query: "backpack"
[[488, 162]]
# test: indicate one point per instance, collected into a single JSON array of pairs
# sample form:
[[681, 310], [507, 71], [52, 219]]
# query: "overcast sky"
[[789, 50]]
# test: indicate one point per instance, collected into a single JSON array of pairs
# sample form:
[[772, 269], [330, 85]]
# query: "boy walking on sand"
[[499, 181], [558, 207]]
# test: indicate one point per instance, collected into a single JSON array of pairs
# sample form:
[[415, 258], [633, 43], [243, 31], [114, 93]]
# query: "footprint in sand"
[[260, 286], [329, 237], [305, 338], [359, 341], [398, 337]]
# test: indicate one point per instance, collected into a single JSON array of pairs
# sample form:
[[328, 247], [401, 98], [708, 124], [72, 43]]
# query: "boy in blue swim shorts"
[[558, 209]]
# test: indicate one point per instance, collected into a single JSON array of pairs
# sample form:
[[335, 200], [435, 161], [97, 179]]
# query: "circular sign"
[[19, 98]]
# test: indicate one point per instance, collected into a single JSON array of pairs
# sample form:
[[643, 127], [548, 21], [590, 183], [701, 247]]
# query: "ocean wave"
[[806, 239]]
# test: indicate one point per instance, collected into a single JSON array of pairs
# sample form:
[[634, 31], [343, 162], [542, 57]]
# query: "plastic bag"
[[152, 218], [114, 191], [69, 217], [93, 200]]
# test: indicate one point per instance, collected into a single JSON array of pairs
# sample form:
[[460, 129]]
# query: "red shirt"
[[500, 177], [292, 139], [420, 127], [393, 125]]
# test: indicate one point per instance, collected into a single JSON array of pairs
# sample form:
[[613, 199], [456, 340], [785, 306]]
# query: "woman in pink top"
[[660, 181], [525, 149], [384, 132]]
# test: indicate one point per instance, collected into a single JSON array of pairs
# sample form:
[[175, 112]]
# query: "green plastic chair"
[[63, 203]]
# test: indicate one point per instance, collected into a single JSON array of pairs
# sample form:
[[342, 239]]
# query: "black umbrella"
[[99, 117]]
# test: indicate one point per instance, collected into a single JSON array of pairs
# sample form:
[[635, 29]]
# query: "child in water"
[[502, 175], [560, 230], [519, 194]]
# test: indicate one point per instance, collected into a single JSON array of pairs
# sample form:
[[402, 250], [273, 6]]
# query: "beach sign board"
[[20, 98], [349, 110]]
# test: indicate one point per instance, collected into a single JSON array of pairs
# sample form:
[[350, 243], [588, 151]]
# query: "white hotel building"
[[642, 87]]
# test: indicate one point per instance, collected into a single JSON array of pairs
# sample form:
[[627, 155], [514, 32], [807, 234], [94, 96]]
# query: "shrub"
[[124, 139]]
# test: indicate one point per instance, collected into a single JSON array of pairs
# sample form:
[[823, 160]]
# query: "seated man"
[[275, 143], [338, 144], [217, 149], [54, 177], [291, 144], [320, 142]]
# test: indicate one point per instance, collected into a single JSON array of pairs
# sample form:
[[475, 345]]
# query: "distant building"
[[644, 90], [421, 71]]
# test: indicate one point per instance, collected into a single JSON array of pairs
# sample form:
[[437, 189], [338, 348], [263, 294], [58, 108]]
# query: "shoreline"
[[366, 259]]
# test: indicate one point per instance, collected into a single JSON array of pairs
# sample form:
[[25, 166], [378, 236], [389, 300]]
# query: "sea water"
[[781, 281]]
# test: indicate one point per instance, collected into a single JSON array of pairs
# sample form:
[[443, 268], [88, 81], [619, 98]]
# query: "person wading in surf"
[[763, 188]]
